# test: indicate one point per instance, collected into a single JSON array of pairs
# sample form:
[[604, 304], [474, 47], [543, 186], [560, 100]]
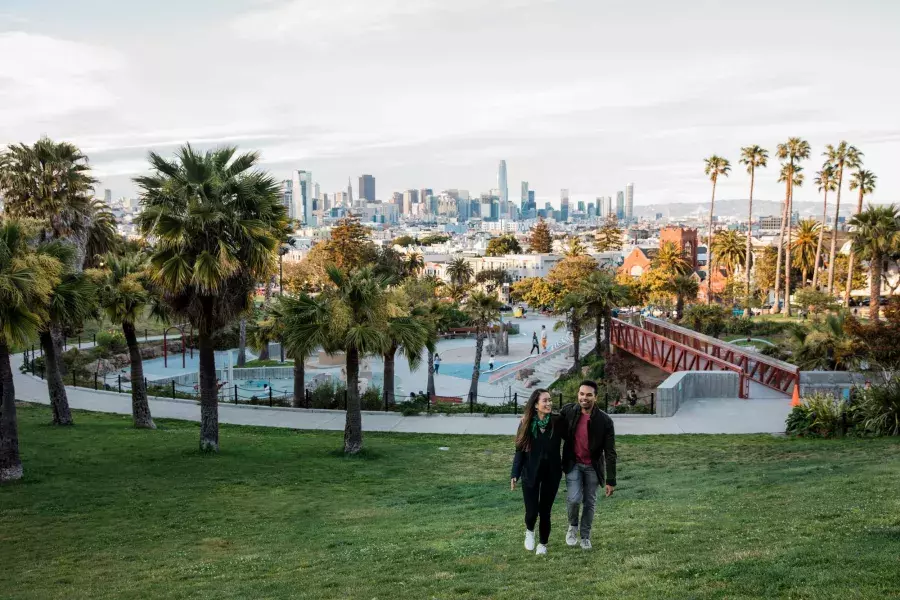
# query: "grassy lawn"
[[106, 511]]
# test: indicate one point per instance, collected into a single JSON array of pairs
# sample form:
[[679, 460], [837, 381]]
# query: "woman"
[[538, 462], [437, 363]]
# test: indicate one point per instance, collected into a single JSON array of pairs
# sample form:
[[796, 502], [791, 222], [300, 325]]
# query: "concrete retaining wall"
[[685, 385], [222, 375], [833, 383]]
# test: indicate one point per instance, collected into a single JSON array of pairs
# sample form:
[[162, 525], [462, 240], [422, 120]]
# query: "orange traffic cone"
[[795, 400]]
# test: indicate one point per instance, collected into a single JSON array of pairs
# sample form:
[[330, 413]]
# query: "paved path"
[[760, 415]]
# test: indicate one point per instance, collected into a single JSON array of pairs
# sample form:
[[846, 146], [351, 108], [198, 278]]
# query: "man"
[[534, 344], [544, 337], [589, 458]]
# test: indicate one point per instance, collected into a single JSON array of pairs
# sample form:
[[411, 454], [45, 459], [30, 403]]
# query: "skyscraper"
[[601, 206], [524, 198], [620, 205], [590, 210], [410, 197], [629, 201], [349, 193], [302, 192], [580, 206], [504, 190], [532, 205], [107, 196], [367, 188], [564, 205], [609, 207], [397, 198]]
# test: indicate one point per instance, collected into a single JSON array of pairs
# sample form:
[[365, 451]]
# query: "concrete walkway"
[[732, 416]]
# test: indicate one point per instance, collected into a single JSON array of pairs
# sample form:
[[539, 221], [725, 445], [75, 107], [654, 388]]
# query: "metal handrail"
[[533, 360]]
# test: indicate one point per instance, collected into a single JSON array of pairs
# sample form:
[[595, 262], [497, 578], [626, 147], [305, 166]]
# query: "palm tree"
[[601, 294], [407, 331], [754, 157], [875, 234], [843, 155], [124, 297], [460, 271], [864, 181], [716, 166], [414, 264], [102, 237], [26, 281], [793, 151], [684, 287], [575, 247], [803, 248], [482, 310], [671, 259], [302, 316], [577, 315], [826, 180], [785, 178], [216, 223], [824, 346], [729, 249], [437, 315]]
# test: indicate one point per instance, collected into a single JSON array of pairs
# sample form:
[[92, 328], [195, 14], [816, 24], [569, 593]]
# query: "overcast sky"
[[580, 94]]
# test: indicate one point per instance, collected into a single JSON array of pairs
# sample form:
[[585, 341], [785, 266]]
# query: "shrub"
[[739, 326], [371, 399], [879, 408], [112, 341], [823, 415], [775, 352], [327, 395], [709, 320]]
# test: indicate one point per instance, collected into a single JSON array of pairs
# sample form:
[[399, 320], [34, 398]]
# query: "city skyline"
[[547, 112]]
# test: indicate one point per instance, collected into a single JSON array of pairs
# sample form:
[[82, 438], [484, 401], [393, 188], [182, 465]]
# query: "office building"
[[564, 205], [297, 196], [367, 188], [107, 196], [524, 197], [425, 195], [503, 189], [629, 202], [620, 205], [410, 197], [590, 210], [532, 205], [581, 206], [397, 199]]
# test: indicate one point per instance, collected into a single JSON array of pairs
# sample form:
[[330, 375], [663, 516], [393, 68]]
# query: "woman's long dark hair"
[[523, 436]]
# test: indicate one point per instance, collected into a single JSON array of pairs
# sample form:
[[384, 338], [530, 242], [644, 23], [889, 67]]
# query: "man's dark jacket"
[[601, 442]]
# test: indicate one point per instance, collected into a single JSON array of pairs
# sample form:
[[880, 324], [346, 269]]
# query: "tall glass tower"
[[504, 190], [620, 205], [629, 201]]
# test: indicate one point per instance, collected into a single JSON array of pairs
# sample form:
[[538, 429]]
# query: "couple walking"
[[587, 440]]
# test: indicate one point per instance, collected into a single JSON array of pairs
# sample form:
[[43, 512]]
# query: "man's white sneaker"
[[572, 536], [586, 544], [542, 549], [529, 540]]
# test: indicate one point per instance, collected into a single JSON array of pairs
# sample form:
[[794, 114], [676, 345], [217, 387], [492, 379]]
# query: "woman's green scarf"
[[539, 424]]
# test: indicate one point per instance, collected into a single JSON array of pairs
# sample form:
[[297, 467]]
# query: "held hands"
[[609, 490], [512, 485]]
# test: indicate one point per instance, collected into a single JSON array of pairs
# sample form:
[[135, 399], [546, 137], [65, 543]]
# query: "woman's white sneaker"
[[572, 536], [542, 549], [529, 540]]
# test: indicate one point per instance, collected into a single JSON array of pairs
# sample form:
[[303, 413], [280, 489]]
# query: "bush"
[[879, 408], [823, 415], [112, 341], [739, 326], [775, 352], [371, 399], [328, 395], [708, 320]]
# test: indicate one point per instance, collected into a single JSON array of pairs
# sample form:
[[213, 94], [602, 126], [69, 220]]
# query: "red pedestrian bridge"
[[673, 348]]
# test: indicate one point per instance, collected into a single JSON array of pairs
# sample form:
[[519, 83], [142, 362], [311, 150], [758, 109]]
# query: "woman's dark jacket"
[[546, 447]]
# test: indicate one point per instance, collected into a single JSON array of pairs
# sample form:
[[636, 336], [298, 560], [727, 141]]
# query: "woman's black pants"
[[539, 496]]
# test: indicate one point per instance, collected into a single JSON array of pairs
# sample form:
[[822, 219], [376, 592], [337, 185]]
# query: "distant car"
[[506, 308]]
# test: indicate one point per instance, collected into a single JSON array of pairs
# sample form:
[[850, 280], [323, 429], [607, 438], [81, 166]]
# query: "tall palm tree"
[[716, 167], [26, 282], [414, 264], [803, 247], [875, 234], [685, 288], [407, 332], [124, 297], [840, 156], [437, 315], [729, 249], [792, 151], [785, 177], [483, 310], [460, 271], [754, 157], [102, 237], [826, 180], [577, 315], [601, 294], [864, 181], [216, 223]]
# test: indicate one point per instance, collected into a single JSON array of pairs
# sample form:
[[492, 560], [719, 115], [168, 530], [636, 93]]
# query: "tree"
[[26, 282], [102, 237], [875, 233], [540, 242], [350, 245], [492, 279], [301, 315], [608, 237], [482, 310], [216, 223], [809, 298], [792, 151], [571, 271], [124, 297], [841, 262], [824, 346], [407, 332], [413, 264], [754, 157], [729, 249], [764, 271], [600, 294], [671, 261], [576, 314], [505, 244], [437, 314], [864, 181], [574, 248], [404, 240], [716, 167], [786, 178], [840, 156], [685, 288], [826, 181], [804, 247], [460, 271], [708, 320], [537, 292]]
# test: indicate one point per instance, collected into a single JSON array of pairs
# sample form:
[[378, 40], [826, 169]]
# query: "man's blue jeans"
[[581, 488]]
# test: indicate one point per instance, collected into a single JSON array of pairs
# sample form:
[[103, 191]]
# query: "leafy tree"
[[764, 270], [408, 332], [482, 310], [792, 151], [350, 245], [715, 167], [541, 241], [754, 157], [876, 340], [804, 247], [492, 279], [26, 282], [434, 238], [460, 271], [875, 234], [439, 317], [841, 262], [864, 181], [670, 261], [608, 237], [413, 264], [217, 223], [823, 346], [826, 181], [709, 320], [729, 248], [809, 298], [537, 292], [404, 241], [571, 271], [505, 244]]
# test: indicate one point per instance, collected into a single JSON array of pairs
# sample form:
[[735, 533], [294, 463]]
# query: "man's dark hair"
[[590, 384]]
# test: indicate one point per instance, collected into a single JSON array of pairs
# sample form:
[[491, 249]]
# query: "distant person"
[[537, 462], [491, 363], [544, 338], [437, 363], [534, 344]]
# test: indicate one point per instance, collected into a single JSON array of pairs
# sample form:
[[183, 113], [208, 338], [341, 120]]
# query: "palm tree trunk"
[[815, 280], [787, 248], [353, 425], [299, 382], [709, 254], [749, 231], [10, 462], [837, 213], [59, 401], [875, 288], [679, 306], [598, 341], [242, 344], [140, 408], [779, 248], [209, 393], [476, 369], [430, 389], [264, 351], [852, 258], [803, 276], [607, 331], [387, 394], [576, 346]]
